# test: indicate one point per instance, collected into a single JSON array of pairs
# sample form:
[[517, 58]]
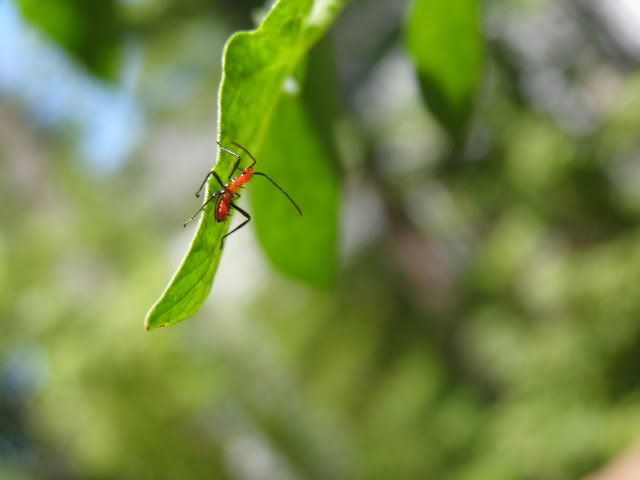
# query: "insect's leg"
[[244, 214], [211, 197], [217, 177], [204, 182], [247, 152], [262, 174], [235, 165]]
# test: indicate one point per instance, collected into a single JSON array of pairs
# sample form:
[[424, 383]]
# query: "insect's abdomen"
[[222, 207]]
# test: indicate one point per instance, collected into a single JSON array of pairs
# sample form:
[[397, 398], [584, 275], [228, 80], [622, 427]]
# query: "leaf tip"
[[150, 322]]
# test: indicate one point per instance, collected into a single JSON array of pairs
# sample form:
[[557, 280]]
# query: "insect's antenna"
[[281, 189], [201, 208], [246, 151]]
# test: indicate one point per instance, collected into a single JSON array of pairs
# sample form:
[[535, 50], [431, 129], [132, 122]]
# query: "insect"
[[229, 191]]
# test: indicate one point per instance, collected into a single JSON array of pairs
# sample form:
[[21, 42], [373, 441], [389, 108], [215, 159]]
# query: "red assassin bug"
[[224, 198]]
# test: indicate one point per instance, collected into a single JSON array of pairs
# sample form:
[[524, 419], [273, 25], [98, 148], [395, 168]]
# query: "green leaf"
[[294, 156], [445, 41], [255, 66]]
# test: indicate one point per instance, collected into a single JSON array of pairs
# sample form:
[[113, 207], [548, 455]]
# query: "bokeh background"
[[485, 323]]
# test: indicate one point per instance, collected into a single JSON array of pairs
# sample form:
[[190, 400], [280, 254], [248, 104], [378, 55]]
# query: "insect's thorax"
[[238, 182]]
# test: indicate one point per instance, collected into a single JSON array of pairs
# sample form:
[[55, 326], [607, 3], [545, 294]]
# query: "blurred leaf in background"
[[303, 127], [293, 153], [89, 31], [444, 39]]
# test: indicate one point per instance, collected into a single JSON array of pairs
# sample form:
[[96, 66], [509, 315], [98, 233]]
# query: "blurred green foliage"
[[90, 31], [484, 318], [446, 44]]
